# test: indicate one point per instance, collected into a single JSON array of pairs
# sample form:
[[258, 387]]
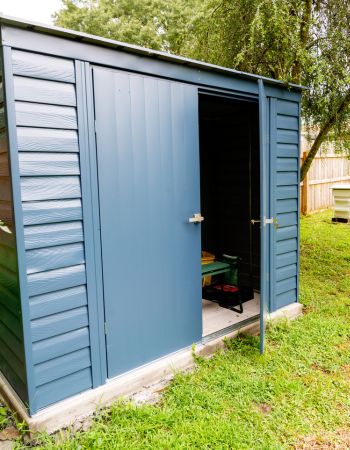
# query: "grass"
[[295, 396], [5, 416]]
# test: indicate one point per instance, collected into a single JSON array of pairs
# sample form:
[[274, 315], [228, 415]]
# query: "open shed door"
[[148, 170], [280, 179]]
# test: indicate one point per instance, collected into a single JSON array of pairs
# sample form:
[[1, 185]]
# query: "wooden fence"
[[325, 171]]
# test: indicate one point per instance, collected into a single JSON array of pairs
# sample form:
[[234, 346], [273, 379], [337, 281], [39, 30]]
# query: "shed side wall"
[[49, 166], [285, 136], [12, 359]]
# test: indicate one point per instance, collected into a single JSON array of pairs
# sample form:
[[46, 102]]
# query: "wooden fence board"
[[325, 171]]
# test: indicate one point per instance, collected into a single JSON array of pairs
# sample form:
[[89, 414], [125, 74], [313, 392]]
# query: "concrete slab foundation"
[[67, 412]]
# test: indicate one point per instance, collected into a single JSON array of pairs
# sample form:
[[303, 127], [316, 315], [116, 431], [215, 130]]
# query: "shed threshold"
[[218, 321], [230, 329]]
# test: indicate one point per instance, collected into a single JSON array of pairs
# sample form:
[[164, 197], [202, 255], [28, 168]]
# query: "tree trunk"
[[324, 130]]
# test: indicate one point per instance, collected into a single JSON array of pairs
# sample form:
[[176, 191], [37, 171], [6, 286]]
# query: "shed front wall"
[[55, 144]]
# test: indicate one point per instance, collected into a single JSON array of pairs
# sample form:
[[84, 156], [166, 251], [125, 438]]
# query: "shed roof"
[[97, 40]]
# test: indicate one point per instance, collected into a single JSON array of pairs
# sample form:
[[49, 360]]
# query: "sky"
[[33, 10]]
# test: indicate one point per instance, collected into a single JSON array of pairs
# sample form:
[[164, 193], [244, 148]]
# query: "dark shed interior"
[[230, 181]]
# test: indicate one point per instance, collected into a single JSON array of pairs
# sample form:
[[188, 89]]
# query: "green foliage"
[[300, 41], [3, 416], [157, 24], [299, 390], [250, 35]]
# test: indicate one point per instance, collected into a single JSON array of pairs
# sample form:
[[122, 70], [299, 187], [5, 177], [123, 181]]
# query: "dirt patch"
[[344, 345], [337, 440], [9, 434], [346, 370], [320, 368], [263, 408], [308, 309]]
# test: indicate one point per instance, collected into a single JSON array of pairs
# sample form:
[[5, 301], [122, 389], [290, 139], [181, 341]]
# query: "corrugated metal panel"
[[51, 198], [49, 326], [58, 301], [45, 116], [51, 258], [62, 366], [64, 387], [36, 213], [42, 66], [8, 255], [11, 320], [285, 154], [46, 140], [41, 91], [8, 278], [286, 272], [58, 345], [11, 327], [50, 188], [49, 235], [39, 164]]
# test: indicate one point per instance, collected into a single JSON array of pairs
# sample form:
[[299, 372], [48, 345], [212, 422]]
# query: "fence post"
[[304, 190]]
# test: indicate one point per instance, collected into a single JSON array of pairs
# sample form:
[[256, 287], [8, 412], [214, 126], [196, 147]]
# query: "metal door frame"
[[266, 232], [91, 204], [266, 221]]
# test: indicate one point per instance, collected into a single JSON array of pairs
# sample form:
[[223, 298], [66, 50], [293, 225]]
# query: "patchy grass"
[[5, 416], [295, 396]]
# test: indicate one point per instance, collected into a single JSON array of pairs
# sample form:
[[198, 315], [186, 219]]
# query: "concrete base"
[[66, 412]]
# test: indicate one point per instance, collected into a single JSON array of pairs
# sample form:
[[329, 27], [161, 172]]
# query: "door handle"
[[253, 221], [197, 218]]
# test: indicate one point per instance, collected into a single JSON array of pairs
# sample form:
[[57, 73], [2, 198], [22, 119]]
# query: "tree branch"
[[323, 134]]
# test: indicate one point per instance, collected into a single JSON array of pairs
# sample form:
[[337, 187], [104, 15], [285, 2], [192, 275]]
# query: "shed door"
[[148, 170], [285, 151]]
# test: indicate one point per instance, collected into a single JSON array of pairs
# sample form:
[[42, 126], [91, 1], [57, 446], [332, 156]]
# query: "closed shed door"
[[148, 171]]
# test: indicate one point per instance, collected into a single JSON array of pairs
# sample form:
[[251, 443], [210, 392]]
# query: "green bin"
[[231, 277]]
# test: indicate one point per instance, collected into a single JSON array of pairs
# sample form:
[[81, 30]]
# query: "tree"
[[157, 24], [300, 41]]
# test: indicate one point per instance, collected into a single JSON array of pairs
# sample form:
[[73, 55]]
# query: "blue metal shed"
[[108, 154]]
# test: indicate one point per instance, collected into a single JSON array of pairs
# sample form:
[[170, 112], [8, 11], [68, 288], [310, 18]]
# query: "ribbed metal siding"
[[285, 163], [48, 147], [11, 329]]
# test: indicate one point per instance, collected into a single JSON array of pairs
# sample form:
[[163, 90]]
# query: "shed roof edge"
[[97, 40]]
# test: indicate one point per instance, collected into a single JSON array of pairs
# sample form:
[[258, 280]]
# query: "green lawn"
[[289, 398]]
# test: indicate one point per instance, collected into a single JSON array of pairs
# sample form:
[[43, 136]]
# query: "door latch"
[[197, 218], [271, 221]]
